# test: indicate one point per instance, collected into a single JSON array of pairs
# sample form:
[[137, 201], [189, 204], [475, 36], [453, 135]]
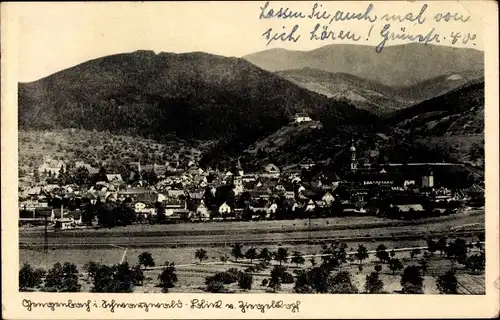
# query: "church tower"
[[240, 169], [354, 162]]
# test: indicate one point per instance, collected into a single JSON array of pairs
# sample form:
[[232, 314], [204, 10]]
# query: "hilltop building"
[[302, 117]]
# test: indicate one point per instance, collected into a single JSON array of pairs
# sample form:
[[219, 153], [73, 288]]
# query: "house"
[[175, 193], [271, 168], [406, 208], [302, 117], [139, 207], [272, 208], [202, 212], [64, 224], [310, 206], [289, 194], [174, 206], [271, 171], [328, 198], [224, 209], [114, 178], [76, 216], [52, 166], [197, 195]]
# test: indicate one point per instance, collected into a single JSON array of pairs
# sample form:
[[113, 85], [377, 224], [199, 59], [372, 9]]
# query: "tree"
[[412, 281], [245, 281], [236, 251], [361, 254], [381, 253], [275, 281], [124, 278], [378, 268], [138, 275], [62, 278], [341, 283], [215, 286], [414, 253], [302, 282], [476, 263], [146, 260], [312, 260], [201, 254], [431, 245], [298, 258], [168, 277], [334, 255], [265, 255], [29, 278], [441, 245], [423, 262], [281, 255], [104, 279], [395, 265], [447, 283], [90, 268], [373, 283], [251, 254], [319, 278]]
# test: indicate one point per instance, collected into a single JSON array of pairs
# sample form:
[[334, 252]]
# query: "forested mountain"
[[195, 96], [452, 123], [371, 95], [400, 65]]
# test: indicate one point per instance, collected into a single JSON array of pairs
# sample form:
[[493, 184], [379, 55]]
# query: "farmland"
[[347, 229], [177, 243]]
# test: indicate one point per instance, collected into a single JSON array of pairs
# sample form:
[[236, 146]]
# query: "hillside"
[[452, 123], [401, 65], [96, 149], [371, 95], [194, 96]]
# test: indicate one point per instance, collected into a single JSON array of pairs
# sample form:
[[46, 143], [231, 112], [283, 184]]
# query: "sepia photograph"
[[278, 148]]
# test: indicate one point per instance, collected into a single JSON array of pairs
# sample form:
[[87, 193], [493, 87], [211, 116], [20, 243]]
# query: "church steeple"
[[240, 169], [354, 162]]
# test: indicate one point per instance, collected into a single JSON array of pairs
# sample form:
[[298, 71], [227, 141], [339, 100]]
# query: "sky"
[[55, 36]]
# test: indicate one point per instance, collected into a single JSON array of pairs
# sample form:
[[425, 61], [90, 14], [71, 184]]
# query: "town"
[[80, 196]]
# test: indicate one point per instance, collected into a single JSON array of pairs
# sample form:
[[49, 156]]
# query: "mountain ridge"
[[191, 96], [404, 64]]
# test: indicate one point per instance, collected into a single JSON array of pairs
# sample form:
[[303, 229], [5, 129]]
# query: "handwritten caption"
[[193, 304], [380, 26]]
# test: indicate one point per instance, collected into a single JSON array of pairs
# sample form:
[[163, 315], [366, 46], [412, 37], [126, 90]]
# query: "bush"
[[29, 278], [245, 281], [215, 286], [264, 282], [287, 277], [373, 283]]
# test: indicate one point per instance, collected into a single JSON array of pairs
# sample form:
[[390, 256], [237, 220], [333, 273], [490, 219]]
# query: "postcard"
[[260, 159]]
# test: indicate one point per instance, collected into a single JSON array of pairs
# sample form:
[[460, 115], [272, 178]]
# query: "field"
[[178, 243], [192, 274], [315, 231]]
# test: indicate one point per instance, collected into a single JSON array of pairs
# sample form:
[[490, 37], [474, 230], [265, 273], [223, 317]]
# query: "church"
[[390, 174]]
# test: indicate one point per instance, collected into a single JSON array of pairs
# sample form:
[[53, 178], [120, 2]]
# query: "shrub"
[[214, 286], [245, 281], [264, 282]]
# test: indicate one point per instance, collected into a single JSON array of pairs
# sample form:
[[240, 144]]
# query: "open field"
[[348, 229], [178, 243]]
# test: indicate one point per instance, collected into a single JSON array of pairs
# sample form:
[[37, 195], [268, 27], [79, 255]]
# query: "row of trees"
[[60, 278], [120, 277]]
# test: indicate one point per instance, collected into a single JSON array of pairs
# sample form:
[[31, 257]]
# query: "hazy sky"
[[56, 36]]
